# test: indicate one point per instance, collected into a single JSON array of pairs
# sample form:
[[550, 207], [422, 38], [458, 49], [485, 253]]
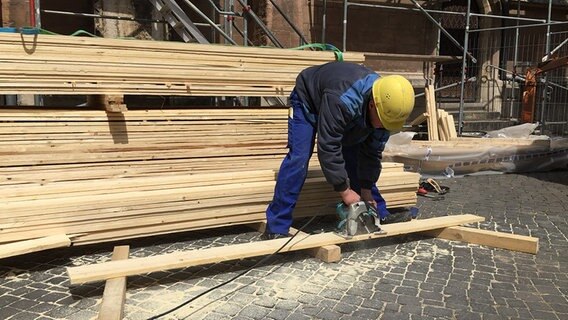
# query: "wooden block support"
[[28, 246], [112, 307], [113, 269], [487, 238], [329, 253]]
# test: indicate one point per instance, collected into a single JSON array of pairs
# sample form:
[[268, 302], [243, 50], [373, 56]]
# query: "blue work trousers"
[[294, 169]]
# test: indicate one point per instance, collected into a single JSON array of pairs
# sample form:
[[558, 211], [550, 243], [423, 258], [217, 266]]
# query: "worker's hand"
[[349, 197], [367, 196]]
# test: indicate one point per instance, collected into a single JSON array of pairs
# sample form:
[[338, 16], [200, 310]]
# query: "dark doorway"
[[451, 73]]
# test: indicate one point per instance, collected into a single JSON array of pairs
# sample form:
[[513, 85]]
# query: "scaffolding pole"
[[515, 60], [446, 33], [464, 64], [548, 24], [211, 23], [547, 50], [347, 3], [472, 14], [324, 17], [259, 22]]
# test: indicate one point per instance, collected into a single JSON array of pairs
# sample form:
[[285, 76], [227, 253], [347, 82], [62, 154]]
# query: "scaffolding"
[[552, 88], [516, 48]]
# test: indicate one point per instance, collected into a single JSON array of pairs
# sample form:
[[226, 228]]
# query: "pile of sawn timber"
[[48, 64], [99, 176]]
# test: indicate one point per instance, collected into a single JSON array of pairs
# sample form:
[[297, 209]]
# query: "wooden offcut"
[[114, 295], [420, 119], [113, 269], [487, 238]]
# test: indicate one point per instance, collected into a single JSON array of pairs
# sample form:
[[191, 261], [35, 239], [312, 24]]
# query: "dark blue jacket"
[[335, 97]]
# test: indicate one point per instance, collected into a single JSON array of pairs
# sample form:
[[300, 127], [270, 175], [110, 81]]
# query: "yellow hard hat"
[[394, 98]]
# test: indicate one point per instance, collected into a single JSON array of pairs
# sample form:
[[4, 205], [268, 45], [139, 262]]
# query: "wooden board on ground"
[[112, 306], [487, 238], [329, 253], [113, 269]]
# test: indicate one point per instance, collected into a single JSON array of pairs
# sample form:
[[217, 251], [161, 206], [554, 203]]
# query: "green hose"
[[323, 47]]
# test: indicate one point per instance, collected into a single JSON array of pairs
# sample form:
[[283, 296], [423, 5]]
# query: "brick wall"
[[368, 30], [15, 13]]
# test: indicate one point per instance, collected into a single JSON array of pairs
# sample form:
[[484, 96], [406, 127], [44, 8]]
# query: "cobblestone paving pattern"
[[408, 277]]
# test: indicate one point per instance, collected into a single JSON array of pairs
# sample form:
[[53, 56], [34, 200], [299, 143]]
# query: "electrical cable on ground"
[[233, 278]]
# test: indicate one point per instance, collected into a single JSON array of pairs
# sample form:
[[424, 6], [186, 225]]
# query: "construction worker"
[[353, 110]]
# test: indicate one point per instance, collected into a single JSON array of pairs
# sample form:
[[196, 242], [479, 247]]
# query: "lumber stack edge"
[[100, 177]]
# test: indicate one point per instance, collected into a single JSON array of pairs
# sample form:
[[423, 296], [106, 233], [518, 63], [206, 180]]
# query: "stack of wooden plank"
[[99, 176], [48, 64], [441, 124], [446, 126]]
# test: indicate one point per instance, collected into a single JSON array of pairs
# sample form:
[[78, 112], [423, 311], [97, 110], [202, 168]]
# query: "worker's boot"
[[397, 216]]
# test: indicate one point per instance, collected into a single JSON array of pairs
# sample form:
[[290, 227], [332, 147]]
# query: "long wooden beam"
[[487, 238], [329, 253], [113, 269]]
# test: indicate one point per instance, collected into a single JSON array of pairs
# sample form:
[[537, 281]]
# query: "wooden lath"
[[440, 124]]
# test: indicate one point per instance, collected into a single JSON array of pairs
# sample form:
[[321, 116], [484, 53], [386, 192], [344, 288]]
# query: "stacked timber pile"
[[441, 127], [446, 153], [441, 124], [47, 64], [99, 176]]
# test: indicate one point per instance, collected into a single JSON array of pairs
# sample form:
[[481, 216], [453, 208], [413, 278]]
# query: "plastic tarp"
[[511, 149]]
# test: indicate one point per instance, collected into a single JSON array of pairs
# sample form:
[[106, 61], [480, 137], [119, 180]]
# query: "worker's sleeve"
[[370, 156], [332, 120]]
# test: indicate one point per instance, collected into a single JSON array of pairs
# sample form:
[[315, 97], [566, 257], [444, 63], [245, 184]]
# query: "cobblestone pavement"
[[407, 277]]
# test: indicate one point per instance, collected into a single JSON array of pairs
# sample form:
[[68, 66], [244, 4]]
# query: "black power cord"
[[233, 278]]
